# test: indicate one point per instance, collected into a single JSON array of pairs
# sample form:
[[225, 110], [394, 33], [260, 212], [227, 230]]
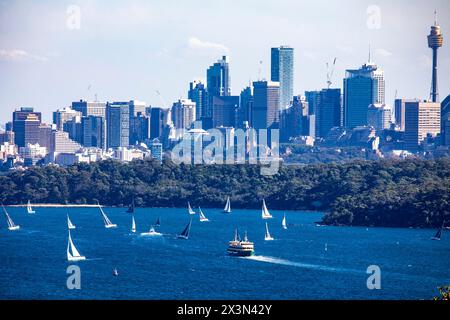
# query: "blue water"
[[303, 262]]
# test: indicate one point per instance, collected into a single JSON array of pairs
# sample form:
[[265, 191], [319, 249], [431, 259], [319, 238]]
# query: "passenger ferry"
[[239, 248]]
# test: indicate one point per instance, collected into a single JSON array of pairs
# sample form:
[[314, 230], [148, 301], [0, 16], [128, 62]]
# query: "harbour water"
[[303, 262]]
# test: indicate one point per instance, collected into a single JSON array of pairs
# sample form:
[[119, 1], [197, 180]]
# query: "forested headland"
[[393, 193]]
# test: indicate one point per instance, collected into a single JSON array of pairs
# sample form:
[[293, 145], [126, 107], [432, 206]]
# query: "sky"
[[56, 52]]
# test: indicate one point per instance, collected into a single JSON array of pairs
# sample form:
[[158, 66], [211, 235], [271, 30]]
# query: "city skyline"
[[45, 64]]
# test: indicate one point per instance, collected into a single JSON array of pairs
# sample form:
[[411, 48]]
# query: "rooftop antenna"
[[435, 18], [369, 53], [259, 70]]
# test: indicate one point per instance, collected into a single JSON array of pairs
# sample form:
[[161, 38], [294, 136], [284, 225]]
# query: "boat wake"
[[284, 262]]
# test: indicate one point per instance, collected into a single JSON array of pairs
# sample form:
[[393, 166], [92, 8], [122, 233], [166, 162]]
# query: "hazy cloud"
[[383, 52], [197, 44], [20, 55]]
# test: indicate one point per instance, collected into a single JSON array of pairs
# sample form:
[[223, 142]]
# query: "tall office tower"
[[421, 119], [139, 128], [117, 124], [282, 71], [266, 101], [60, 116], [74, 129], [399, 112], [225, 109], [293, 119], [159, 118], [435, 41], [217, 82], [90, 108], [198, 94], [183, 114], [362, 87], [26, 124], [137, 107], [327, 108], [93, 132], [379, 116], [445, 121], [244, 114], [45, 135]]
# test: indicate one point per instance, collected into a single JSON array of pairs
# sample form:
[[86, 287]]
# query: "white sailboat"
[[70, 225], [227, 208], [202, 216], [190, 209], [133, 224], [283, 223], [9, 221], [151, 232], [267, 236], [108, 223], [72, 252], [29, 208], [265, 213]]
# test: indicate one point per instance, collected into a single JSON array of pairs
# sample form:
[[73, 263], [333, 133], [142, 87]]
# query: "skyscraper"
[[183, 113], [218, 82], [435, 41], [326, 106], [118, 124], [362, 87], [93, 132], [293, 119], [379, 116], [90, 108], [139, 128], [198, 94], [399, 112], [244, 114], [159, 118], [26, 124], [224, 111], [266, 101], [60, 116], [421, 119], [282, 71]]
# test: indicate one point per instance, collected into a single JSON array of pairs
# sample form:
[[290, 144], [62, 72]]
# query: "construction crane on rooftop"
[[330, 72]]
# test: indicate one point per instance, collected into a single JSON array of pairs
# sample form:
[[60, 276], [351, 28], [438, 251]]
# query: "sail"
[[70, 225], [438, 234], [72, 252], [267, 235], [133, 225], [227, 208], [158, 222], [29, 208], [9, 221], [283, 223], [108, 223], [187, 229], [190, 209], [265, 212], [201, 215]]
